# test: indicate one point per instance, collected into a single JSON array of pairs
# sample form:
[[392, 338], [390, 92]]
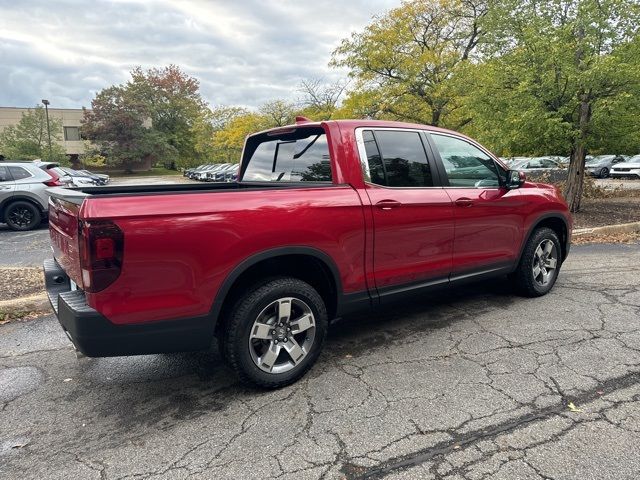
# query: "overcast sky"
[[244, 52]]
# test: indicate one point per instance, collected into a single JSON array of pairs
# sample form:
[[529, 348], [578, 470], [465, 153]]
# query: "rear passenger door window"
[[465, 164], [18, 173], [396, 159]]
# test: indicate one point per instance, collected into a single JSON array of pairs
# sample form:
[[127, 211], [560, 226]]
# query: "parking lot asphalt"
[[472, 383], [24, 249]]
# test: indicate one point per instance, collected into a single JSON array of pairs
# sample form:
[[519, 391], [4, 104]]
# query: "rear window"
[[297, 155]]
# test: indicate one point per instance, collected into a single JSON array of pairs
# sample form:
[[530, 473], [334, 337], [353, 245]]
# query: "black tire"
[[604, 173], [237, 330], [22, 216], [525, 280]]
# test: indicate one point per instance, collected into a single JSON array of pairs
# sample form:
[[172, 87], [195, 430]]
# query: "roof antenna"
[[301, 119]]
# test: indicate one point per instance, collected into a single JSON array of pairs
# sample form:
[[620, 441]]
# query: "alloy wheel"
[[282, 335], [545, 262], [21, 217]]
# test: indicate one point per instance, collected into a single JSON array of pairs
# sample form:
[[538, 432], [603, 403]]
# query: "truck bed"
[[77, 194]]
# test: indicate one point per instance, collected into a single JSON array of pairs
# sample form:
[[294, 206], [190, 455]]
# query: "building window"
[[72, 134]]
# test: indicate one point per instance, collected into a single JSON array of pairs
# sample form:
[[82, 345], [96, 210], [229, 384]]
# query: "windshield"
[[634, 159], [294, 155]]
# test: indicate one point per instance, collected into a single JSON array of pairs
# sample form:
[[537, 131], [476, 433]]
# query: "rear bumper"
[[95, 336]]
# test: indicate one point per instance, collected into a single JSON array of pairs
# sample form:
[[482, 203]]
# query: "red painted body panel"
[[177, 256], [179, 248], [63, 231], [413, 241], [488, 227]]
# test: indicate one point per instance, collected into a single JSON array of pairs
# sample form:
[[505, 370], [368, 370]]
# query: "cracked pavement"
[[473, 383]]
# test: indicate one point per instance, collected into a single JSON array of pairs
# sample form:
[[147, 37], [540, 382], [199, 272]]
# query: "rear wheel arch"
[[20, 198], [305, 263]]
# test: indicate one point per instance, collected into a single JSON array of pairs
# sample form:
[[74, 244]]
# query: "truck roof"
[[357, 123]]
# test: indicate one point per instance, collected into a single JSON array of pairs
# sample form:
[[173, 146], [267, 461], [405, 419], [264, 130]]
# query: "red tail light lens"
[[101, 251], [54, 182]]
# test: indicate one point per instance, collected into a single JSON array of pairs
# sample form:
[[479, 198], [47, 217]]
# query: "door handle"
[[464, 202], [388, 204]]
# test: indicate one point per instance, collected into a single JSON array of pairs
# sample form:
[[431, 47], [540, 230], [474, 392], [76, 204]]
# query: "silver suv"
[[23, 197]]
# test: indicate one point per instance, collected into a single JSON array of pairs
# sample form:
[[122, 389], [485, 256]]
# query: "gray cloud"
[[244, 52]]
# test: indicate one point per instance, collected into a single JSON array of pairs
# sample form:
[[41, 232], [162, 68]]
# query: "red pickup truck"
[[326, 218]]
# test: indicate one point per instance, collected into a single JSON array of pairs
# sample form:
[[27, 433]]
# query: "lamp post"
[[45, 102]]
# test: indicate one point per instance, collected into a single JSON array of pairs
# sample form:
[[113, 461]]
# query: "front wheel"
[[275, 332], [604, 173], [540, 264]]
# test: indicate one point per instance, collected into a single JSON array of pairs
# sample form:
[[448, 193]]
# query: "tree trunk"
[[575, 178], [435, 116]]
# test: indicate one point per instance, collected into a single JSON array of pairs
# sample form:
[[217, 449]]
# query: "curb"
[[18, 307], [632, 227]]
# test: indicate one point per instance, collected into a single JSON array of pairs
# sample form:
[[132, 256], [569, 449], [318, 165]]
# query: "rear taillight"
[[54, 182], [101, 251]]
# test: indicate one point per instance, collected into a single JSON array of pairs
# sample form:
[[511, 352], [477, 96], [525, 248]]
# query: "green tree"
[[28, 139], [176, 110], [555, 72], [118, 125], [410, 57], [158, 116], [229, 140]]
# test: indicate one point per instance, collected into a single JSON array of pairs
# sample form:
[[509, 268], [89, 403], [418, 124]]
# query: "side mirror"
[[515, 179]]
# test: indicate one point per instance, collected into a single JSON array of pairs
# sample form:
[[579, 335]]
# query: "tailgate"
[[64, 207]]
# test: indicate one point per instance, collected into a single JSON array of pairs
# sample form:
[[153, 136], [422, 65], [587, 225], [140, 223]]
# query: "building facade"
[[71, 118]]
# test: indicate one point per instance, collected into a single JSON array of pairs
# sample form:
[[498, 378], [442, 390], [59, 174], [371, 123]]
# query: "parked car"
[[231, 175], [190, 172], [537, 163], [101, 178], [78, 178], [224, 174], [23, 194], [511, 160], [210, 175], [627, 169], [600, 165], [326, 218], [202, 174]]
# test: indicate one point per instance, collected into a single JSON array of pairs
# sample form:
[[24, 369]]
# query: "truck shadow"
[[160, 391], [361, 333]]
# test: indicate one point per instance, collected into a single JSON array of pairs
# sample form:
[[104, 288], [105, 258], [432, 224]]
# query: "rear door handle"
[[388, 204], [464, 202]]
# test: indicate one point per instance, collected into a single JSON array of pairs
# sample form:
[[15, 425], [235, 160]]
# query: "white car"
[[536, 163], [628, 169]]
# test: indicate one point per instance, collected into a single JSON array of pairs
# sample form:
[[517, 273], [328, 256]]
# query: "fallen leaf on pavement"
[[573, 408]]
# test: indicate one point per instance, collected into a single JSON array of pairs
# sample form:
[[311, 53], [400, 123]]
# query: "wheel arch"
[[20, 198], [305, 263], [556, 222]]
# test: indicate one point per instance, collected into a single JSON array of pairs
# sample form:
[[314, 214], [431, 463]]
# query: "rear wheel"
[[22, 216], [275, 332], [539, 265]]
